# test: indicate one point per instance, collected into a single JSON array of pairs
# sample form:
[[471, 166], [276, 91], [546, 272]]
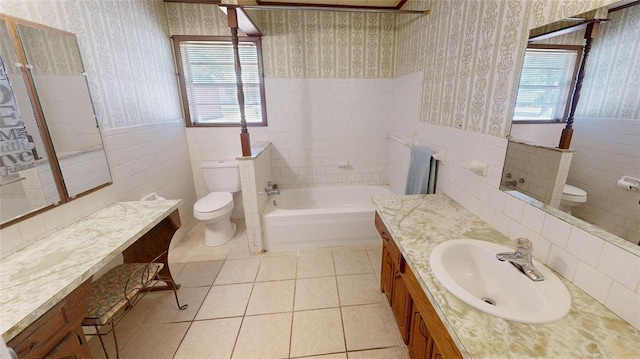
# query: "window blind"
[[545, 84], [210, 81]]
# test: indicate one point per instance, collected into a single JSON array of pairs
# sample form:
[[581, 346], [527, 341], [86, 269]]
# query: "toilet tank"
[[221, 176]]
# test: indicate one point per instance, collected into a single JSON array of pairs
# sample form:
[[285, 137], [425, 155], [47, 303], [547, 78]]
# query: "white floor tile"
[[238, 271], [271, 297], [166, 309], [352, 262], [359, 289], [277, 268], [225, 301], [369, 326], [327, 356], [198, 274], [264, 337], [316, 293], [317, 332], [316, 264], [156, 341], [210, 339], [386, 353]]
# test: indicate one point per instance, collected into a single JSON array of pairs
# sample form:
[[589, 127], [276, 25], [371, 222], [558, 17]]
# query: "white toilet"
[[572, 197], [222, 179]]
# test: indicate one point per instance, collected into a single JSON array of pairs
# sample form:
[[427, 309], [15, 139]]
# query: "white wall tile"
[[592, 281], [533, 218], [563, 262], [585, 246], [621, 265], [556, 230], [625, 303], [541, 246]]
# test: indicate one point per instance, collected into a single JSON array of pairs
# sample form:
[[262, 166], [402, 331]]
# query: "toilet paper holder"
[[629, 183]]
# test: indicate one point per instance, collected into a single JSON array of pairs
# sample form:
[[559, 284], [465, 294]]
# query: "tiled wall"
[[313, 125], [606, 150], [143, 159], [255, 173], [84, 170], [544, 171]]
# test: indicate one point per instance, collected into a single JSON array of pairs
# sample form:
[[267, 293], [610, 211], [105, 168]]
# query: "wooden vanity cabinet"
[[419, 324], [391, 283], [57, 333]]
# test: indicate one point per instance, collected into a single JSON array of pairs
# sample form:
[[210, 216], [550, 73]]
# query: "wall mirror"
[[605, 144], [52, 150]]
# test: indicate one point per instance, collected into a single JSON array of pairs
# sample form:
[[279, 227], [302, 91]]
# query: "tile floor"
[[322, 303]]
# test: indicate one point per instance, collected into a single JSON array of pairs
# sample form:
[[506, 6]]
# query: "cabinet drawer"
[[43, 335], [48, 331]]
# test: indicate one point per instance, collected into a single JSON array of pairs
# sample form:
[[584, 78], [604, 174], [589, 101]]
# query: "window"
[[208, 80], [547, 83]]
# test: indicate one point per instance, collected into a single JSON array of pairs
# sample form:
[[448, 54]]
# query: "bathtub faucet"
[[272, 188]]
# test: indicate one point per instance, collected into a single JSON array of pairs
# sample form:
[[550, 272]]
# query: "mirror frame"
[[11, 23]]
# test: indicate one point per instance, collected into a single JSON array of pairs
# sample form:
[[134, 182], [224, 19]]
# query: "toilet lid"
[[574, 191], [213, 201]]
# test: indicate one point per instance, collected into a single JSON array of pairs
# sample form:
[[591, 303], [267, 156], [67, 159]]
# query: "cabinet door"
[[386, 275], [72, 347], [436, 354], [401, 305], [420, 342]]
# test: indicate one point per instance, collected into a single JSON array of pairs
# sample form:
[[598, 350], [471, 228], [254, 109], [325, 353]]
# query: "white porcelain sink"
[[469, 269]]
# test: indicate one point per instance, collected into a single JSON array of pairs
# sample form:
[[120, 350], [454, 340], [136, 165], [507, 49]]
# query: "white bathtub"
[[305, 218]]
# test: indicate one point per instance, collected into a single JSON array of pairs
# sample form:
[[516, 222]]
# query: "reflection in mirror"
[[605, 147], [26, 179], [61, 86]]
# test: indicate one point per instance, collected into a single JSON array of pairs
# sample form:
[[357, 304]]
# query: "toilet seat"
[[575, 194], [213, 205]]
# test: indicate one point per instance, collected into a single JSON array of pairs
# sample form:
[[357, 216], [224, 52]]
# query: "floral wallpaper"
[[50, 53], [470, 53], [304, 44], [196, 19], [613, 69], [323, 44], [125, 50]]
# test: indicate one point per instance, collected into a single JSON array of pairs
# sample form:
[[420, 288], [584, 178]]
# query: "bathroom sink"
[[469, 269]]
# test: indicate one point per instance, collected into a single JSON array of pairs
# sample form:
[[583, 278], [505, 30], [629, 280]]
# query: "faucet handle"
[[523, 245]]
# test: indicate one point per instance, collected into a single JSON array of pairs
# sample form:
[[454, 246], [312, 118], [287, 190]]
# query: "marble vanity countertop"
[[35, 279], [420, 222]]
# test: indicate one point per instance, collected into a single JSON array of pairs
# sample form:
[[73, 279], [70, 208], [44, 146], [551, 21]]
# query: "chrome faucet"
[[272, 188], [522, 259]]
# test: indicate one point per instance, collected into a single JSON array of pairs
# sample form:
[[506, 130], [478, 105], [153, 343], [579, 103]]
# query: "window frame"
[[578, 49], [177, 39]]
